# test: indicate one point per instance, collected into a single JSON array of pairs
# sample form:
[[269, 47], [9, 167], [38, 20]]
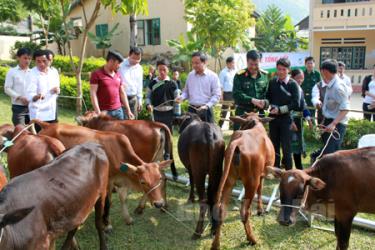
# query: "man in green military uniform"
[[250, 86], [312, 77]]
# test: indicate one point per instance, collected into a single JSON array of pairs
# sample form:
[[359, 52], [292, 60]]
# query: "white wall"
[[6, 42]]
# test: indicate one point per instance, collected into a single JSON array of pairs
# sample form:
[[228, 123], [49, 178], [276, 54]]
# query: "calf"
[[41, 205], [248, 154], [201, 149], [339, 185], [31, 151], [146, 177]]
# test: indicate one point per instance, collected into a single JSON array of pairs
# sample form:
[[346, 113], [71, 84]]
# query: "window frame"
[[351, 52]]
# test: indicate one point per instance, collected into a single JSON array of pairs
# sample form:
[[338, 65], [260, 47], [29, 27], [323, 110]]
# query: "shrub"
[[68, 86], [3, 73], [31, 45], [355, 130], [90, 64]]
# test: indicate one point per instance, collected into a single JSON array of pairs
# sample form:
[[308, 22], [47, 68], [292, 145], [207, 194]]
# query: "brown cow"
[[339, 185], [31, 151], [151, 141], [201, 149], [248, 154], [39, 206], [147, 177], [3, 177]]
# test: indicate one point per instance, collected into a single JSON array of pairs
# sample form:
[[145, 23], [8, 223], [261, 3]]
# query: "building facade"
[[164, 22], [344, 30]]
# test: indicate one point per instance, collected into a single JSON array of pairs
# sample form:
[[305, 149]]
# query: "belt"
[[131, 97], [163, 108]]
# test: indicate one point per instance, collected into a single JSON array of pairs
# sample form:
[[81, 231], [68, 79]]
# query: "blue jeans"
[[334, 144], [116, 113]]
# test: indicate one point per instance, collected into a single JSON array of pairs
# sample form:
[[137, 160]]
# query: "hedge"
[[90, 64], [68, 87]]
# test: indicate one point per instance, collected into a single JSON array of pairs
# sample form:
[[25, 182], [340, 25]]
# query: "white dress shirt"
[[15, 84], [42, 83], [348, 83], [226, 77], [132, 78], [315, 93], [202, 89]]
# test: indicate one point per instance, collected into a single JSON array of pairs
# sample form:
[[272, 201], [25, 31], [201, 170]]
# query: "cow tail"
[[229, 153]]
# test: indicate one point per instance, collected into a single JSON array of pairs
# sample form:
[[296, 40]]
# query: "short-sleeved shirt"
[[108, 89], [309, 82], [226, 79], [336, 100]]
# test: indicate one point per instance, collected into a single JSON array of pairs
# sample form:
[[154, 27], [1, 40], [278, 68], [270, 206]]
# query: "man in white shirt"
[[226, 77], [132, 76], [43, 89], [15, 87], [346, 79], [202, 88]]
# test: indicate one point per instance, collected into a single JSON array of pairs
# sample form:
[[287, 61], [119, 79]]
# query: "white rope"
[[15, 137]]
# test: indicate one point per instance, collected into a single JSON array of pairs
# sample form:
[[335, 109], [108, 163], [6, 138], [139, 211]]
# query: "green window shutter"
[[156, 31], [101, 30]]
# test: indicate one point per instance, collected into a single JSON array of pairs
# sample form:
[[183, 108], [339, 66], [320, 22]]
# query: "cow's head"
[[293, 184], [249, 120], [185, 120], [92, 116], [6, 130], [151, 180]]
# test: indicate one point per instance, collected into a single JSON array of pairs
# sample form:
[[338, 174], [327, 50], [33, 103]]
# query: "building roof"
[[303, 24]]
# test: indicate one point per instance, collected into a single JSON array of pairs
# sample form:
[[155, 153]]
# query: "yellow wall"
[[172, 24]]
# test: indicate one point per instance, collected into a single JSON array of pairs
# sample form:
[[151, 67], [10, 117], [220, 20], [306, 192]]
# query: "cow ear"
[[128, 168], [237, 119], [265, 120], [165, 164], [276, 172], [14, 217], [317, 183]]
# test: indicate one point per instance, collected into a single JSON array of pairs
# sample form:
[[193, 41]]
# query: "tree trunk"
[[133, 30]]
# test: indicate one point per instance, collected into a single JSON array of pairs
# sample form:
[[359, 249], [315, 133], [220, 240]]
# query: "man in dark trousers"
[[312, 77], [283, 96], [161, 94]]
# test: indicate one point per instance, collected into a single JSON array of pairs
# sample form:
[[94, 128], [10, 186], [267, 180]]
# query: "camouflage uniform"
[[245, 88]]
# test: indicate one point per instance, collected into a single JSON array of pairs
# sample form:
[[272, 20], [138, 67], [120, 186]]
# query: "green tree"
[[11, 10], [276, 33], [104, 42], [221, 24], [133, 8]]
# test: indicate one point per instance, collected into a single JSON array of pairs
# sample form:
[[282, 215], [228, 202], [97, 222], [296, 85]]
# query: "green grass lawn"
[[157, 230]]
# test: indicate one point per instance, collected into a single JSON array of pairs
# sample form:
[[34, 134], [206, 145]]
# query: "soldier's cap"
[[115, 54]]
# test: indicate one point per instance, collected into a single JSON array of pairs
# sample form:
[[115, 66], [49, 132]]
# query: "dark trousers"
[[116, 113], [20, 115], [165, 117], [280, 135], [133, 104], [227, 96], [368, 116], [205, 115], [334, 143]]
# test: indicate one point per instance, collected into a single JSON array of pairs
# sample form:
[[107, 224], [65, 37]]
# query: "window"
[[101, 30], [342, 1], [335, 13], [148, 32], [356, 12], [141, 33], [321, 14], [328, 13], [353, 57], [342, 12], [348, 12]]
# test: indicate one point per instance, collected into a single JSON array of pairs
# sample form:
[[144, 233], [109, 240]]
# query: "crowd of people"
[[322, 98]]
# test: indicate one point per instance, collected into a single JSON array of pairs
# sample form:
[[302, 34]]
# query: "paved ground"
[[356, 101]]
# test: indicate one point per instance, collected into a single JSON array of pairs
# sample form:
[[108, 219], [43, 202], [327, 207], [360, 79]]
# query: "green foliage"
[[355, 130], [68, 86], [129, 7], [104, 42], [275, 32], [11, 10], [90, 64], [220, 24], [8, 31], [3, 73], [31, 45]]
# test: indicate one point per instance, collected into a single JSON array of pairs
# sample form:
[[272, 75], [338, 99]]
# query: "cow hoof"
[[215, 247], [129, 221], [139, 210], [252, 242], [196, 236], [108, 229]]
